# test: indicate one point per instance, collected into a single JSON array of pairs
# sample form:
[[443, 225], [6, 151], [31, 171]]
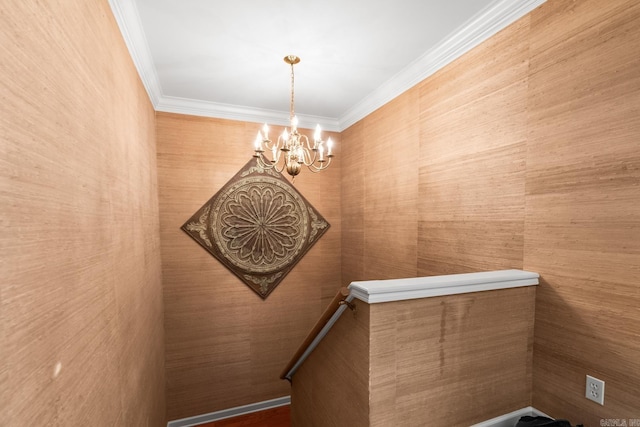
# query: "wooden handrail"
[[328, 312]]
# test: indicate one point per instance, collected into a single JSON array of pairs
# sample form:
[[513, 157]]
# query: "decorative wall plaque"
[[258, 226]]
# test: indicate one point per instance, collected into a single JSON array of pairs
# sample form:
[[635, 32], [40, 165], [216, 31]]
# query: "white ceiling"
[[225, 58]]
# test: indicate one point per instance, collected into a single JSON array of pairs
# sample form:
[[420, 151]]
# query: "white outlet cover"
[[594, 390]]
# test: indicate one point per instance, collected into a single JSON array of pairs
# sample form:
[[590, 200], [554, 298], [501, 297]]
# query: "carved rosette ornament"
[[258, 226]]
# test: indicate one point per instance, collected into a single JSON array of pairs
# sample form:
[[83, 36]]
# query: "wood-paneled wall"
[[353, 204], [331, 388], [529, 157], [379, 193], [582, 229], [225, 346], [81, 325], [450, 361], [473, 128], [443, 361], [391, 197]]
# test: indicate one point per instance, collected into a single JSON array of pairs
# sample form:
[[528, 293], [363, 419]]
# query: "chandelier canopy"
[[292, 150]]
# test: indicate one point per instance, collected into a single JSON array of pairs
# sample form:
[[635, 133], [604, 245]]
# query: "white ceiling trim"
[[172, 104], [491, 20], [126, 14], [487, 23]]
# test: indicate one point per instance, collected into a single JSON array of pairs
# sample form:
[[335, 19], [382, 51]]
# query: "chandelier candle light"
[[292, 150]]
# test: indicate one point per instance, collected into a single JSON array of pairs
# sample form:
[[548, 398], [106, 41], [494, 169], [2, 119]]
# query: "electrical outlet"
[[595, 390]]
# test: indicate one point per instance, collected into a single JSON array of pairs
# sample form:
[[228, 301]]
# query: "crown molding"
[[128, 19], [479, 28], [485, 24], [172, 104]]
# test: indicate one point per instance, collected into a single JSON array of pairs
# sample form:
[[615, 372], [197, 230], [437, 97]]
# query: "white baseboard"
[[506, 420], [510, 419], [231, 412]]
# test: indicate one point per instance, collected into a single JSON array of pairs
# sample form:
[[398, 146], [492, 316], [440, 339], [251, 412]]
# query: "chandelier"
[[292, 150]]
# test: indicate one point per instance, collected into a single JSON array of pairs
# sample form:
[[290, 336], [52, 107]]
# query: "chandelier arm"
[[268, 144], [261, 161], [268, 164], [280, 170], [313, 159], [304, 140], [316, 169]]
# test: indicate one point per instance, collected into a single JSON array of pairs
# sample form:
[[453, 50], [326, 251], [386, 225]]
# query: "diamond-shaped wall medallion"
[[258, 226]]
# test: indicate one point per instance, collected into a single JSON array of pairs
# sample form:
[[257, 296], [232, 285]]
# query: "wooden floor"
[[276, 417]]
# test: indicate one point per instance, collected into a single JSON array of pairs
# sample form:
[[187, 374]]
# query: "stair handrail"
[[319, 330]]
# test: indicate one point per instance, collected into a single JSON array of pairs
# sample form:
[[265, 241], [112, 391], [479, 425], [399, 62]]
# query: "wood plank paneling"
[[553, 109], [80, 293], [332, 387], [583, 209], [390, 188], [353, 201], [225, 346], [529, 157], [450, 360], [443, 361], [472, 158], [379, 193]]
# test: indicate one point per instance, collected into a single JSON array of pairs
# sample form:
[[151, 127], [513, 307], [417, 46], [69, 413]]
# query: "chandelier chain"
[[291, 104]]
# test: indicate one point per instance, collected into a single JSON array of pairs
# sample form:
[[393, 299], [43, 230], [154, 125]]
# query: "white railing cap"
[[376, 291]]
